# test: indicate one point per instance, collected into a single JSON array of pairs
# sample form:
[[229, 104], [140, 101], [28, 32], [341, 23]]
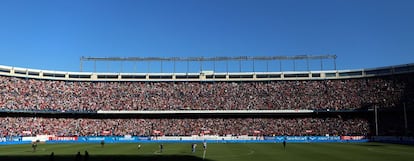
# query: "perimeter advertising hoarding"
[[113, 139], [124, 139], [353, 137], [63, 138], [323, 138], [304, 138]]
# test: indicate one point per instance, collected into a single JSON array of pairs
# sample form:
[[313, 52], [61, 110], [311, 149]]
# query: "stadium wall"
[[394, 139]]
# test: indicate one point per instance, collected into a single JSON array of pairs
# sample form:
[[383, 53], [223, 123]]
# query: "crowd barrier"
[[181, 139]]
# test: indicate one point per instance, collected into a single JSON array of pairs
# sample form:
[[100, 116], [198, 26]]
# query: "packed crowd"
[[25, 126], [34, 94]]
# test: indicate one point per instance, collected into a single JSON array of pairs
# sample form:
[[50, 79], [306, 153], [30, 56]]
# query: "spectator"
[[33, 94], [184, 127]]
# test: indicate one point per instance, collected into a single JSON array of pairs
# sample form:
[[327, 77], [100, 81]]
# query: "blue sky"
[[54, 34]]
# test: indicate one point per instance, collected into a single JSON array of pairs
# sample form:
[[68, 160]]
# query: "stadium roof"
[[221, 58]]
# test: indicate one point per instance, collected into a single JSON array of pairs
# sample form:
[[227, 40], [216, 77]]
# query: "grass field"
[[215, 152]]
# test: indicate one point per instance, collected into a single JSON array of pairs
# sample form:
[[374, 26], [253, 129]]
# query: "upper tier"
[[381, 87]]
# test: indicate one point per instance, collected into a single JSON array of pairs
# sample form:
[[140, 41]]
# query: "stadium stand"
[[340, 105], [27, 126], [334, 94]]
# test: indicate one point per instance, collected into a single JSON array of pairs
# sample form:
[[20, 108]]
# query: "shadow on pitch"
[[104, 158]]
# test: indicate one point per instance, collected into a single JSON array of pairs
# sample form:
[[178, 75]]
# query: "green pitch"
[[215, 152]]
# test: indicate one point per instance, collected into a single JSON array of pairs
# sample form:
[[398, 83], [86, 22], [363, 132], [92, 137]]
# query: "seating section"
[[336, 94], [24, 126]]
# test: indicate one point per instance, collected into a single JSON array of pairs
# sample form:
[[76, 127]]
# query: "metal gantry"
[[240, 59]]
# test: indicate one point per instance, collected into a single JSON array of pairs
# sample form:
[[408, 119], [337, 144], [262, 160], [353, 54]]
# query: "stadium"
[[320, 114]]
